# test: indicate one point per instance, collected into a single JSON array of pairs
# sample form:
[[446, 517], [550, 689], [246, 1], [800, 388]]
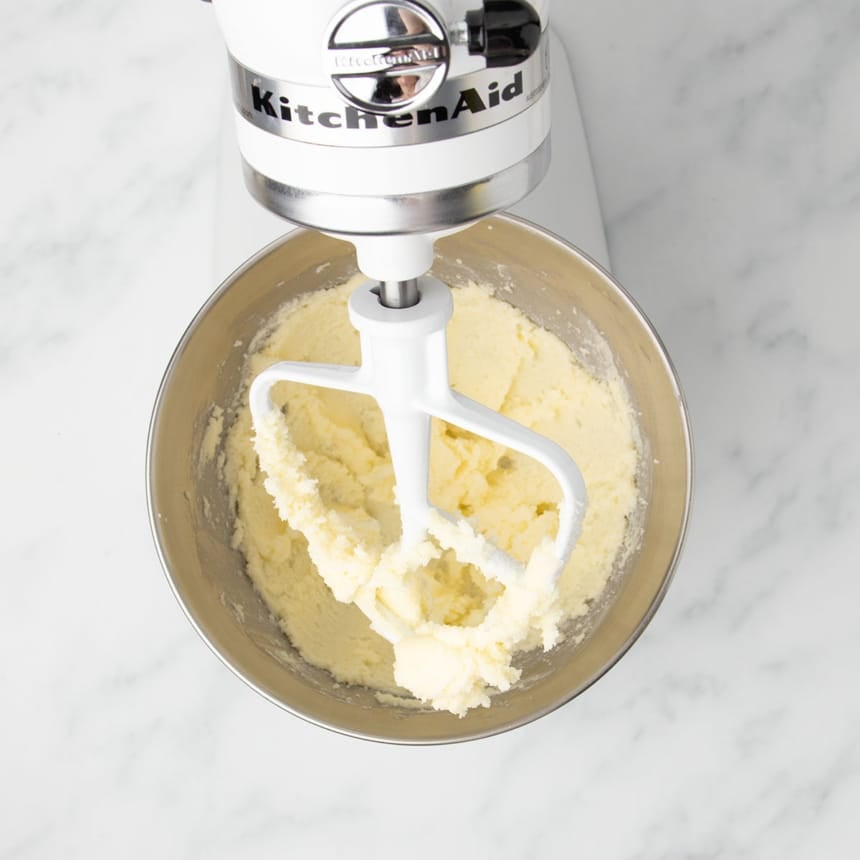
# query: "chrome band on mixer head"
[[319, 115], [403, 213]]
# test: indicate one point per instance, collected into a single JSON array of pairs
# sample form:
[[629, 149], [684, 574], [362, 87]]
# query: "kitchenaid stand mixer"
[[202, 441]]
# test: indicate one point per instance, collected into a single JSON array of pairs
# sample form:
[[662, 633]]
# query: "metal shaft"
[[399, 294]]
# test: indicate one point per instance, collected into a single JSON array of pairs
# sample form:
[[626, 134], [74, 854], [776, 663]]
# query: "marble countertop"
[[726, 144]]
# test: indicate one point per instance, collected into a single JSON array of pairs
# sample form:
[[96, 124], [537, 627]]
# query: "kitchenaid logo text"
[[470, 102], [398, 58]]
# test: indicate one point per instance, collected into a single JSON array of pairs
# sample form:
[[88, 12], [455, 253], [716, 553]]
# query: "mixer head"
[[389, 122]]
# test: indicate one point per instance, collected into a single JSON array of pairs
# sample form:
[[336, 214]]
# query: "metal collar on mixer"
[[411, 213]]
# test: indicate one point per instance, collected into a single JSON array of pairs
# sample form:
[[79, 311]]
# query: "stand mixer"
[[391, 124]]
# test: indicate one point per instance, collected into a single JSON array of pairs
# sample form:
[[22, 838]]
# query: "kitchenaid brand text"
[[382, 60], [471, 101]]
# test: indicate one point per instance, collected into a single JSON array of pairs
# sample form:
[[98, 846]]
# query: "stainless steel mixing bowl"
[[192, 522]]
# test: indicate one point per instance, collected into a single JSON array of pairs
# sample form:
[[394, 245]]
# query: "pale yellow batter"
[[500, 358]]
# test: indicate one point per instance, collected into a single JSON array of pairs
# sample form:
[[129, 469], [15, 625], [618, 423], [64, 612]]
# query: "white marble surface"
[[726, 139]]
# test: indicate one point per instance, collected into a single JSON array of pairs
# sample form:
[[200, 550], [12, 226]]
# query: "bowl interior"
[[193, 523]]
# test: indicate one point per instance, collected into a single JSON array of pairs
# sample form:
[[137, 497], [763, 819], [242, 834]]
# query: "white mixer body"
[[464, 133]]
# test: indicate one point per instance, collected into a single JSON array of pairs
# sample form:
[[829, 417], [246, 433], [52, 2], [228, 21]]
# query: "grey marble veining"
[[726, 143]]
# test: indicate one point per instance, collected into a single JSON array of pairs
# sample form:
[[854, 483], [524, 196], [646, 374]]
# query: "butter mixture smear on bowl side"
[[318, 523]]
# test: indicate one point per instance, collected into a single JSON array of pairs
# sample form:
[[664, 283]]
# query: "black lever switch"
[[505, 32]]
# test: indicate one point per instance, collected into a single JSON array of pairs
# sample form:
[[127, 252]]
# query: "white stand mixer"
[[390, 123], [391, 213]]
